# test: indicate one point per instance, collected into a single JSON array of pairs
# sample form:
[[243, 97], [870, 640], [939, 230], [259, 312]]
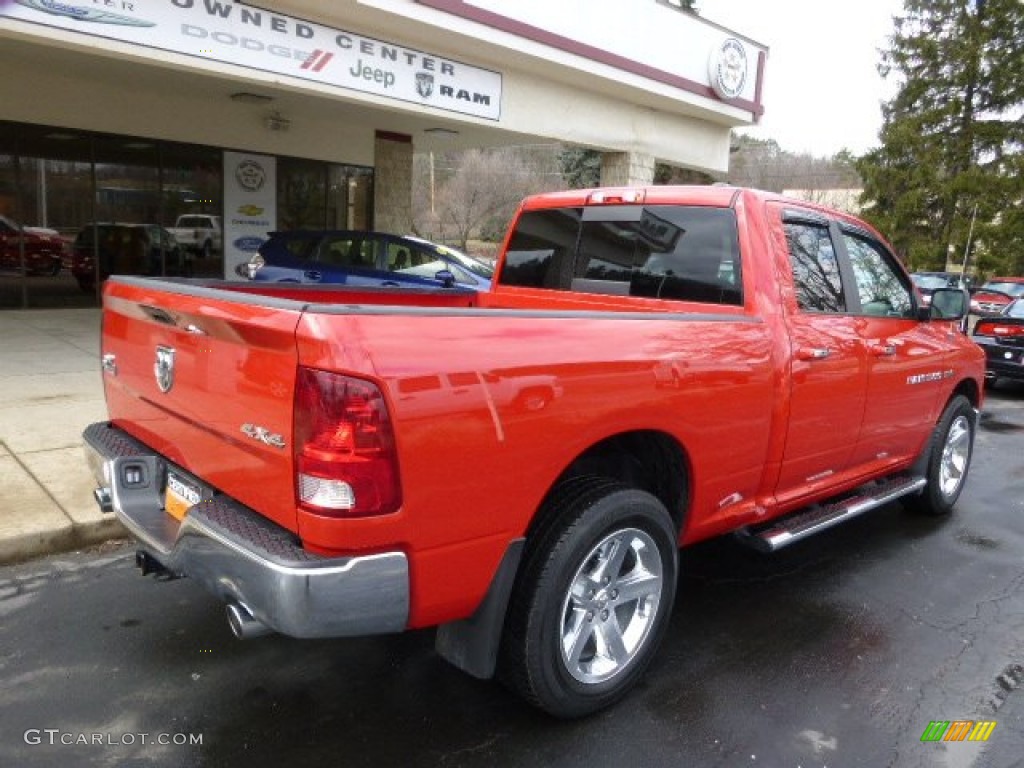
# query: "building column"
[[626, 169], [392, 183]]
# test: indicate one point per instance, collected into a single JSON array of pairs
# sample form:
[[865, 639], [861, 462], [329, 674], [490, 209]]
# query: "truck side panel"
[[509, 399]]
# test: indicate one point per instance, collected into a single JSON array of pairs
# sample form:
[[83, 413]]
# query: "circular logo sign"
[[250, 175], [727, 68]]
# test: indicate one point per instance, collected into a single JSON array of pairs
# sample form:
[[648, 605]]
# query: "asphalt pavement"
[[839, 651]]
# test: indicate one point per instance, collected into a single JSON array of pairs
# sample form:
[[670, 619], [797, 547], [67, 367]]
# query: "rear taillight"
[[998, 330], [345, 459]]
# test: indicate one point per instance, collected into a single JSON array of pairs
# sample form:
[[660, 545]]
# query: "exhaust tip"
[[243, 624]]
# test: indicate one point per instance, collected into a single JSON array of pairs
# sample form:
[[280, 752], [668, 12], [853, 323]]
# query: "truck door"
[[828, 362], [906, 362]]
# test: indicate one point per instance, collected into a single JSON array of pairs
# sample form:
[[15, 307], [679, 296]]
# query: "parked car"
[[199, 233], [43, 248], [1002, 338], [355, 257], [927, 282], [125, 249], [993, 297]]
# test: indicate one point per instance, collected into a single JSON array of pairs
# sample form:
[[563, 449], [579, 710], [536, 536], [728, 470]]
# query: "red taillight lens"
[[345, 459], [998, 330]]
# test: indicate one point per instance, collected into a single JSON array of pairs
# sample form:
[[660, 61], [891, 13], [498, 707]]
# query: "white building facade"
[[160, 100]]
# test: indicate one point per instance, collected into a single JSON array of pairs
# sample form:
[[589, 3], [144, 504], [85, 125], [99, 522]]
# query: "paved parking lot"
[[837, 652]]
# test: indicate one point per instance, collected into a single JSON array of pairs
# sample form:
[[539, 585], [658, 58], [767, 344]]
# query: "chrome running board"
[[799, 525]]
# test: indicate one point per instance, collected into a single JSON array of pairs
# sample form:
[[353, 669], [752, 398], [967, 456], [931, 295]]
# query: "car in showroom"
[[363, 258], [1002, 338], [43, 249], [994, 296], [125, 249]]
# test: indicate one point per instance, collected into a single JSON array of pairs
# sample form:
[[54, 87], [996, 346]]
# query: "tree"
[[952, 136], [763, 164], [474, 192], [581, 167]]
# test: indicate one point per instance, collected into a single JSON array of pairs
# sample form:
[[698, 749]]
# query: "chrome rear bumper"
[[241, 556]]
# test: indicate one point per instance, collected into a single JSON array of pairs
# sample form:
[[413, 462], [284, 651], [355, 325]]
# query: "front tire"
[[946, 471], [592, 601]]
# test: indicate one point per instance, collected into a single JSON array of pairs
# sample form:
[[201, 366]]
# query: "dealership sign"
[[236, 33]]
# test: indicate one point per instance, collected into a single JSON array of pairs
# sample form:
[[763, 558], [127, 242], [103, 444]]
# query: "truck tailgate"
[[206, 379]]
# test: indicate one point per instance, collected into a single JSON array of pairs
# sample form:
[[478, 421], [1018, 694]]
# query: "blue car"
[[362, 258]]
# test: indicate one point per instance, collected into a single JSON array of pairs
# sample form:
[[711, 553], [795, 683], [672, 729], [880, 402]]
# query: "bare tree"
[[466, 195]]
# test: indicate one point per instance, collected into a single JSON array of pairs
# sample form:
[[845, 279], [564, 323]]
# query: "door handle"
[[883, 350], [312, 274], [813, 353]]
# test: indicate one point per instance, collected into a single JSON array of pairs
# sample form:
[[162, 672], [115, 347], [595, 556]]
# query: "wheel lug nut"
[[590, 615], [604, 615], [614, 594]]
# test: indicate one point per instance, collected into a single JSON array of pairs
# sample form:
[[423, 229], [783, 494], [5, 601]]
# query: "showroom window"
[[86, 205]]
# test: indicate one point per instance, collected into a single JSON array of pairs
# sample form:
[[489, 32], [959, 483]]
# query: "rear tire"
[[946, 471], [593, 596]]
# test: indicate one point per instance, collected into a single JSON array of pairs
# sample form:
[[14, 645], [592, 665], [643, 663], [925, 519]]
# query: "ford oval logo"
[[248, 244]]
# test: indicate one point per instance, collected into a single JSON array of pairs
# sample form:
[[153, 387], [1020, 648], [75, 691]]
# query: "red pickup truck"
[[520, 467]]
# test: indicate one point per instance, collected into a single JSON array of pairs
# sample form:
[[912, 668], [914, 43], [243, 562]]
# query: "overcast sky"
[[822, 89]]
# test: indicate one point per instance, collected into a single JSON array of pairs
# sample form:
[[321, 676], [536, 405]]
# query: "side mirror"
[[446, 277], [949, 304]]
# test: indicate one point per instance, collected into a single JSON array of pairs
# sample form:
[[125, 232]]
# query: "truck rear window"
[[655, 251]]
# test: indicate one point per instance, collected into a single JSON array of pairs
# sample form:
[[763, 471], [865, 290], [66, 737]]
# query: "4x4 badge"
[[163, 368]]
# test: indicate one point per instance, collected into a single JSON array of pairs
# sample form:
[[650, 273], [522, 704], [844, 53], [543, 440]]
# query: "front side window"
[[819, 287], [882, 293]]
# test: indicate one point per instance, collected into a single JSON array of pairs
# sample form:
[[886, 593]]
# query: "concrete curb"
[[28, 546]]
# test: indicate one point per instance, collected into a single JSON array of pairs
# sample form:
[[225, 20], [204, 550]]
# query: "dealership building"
[[125, 115]]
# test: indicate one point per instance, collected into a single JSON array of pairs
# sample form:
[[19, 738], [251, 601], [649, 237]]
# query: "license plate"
[[179, 496]]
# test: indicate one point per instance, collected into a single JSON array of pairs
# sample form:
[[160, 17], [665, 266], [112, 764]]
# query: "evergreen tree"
[[952, 136], [581, 167]]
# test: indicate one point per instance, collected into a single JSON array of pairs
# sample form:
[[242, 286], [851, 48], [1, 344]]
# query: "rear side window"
[[542, 249], [819, 287], [659, 251], [346, 251]]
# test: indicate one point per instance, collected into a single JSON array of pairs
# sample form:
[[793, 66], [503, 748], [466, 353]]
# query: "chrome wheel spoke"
[[612, 643], [576, 638], [610, 561], [637, 586]]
